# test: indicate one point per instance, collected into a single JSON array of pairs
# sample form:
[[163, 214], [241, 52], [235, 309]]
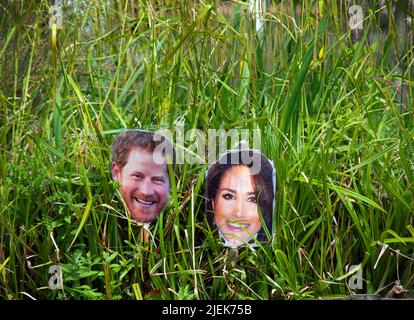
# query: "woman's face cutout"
[[236, 212]]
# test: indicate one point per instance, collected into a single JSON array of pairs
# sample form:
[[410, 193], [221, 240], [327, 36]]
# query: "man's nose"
[[147, 187]]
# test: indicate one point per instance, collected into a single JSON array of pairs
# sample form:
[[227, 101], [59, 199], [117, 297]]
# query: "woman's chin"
[[236, 240]]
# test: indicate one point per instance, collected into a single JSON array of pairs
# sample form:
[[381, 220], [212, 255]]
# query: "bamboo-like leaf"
[[85, 216]]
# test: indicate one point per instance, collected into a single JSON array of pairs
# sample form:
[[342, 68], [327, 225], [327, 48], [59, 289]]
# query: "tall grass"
[[335, 115]]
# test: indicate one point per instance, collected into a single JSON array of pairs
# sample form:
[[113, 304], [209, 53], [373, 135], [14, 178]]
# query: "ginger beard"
[[235, 206], [144, 185]]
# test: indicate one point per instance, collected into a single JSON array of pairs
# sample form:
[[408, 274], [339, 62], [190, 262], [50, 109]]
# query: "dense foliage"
[[335, 110]]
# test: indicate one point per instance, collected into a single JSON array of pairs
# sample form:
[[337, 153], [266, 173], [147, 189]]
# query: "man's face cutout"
[[144, 185]]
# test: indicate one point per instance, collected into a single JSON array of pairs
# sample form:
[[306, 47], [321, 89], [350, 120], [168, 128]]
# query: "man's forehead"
[[142, 158], [140, 153]]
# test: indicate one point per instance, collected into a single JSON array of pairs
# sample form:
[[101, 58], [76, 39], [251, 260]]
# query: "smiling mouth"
[[144, 203], [237, 226]]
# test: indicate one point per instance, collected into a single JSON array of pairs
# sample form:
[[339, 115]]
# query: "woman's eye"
[[228, 196], [252, 199]]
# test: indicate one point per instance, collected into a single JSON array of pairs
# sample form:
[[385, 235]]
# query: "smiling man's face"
[[144, 185]]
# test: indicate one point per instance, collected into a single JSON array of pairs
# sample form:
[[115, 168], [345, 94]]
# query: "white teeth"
[[148, 203], [237, 225]]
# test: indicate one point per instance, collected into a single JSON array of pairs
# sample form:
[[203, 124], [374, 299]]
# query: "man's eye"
[[137, 176], [228, 196], [158, 180]]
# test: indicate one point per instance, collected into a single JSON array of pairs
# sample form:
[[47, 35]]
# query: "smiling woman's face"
[[235, 209]]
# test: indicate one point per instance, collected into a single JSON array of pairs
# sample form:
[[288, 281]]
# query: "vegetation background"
[[334, 106]]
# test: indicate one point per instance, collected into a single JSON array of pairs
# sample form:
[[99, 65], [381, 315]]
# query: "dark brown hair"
[[263, 185]]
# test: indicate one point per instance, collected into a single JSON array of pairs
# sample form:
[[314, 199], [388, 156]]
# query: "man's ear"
[[115, 171]]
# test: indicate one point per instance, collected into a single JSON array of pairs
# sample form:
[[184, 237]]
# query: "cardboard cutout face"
[[240, 198], [144, 182]]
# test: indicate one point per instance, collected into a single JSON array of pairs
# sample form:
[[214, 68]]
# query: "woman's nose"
[[238, 208]]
